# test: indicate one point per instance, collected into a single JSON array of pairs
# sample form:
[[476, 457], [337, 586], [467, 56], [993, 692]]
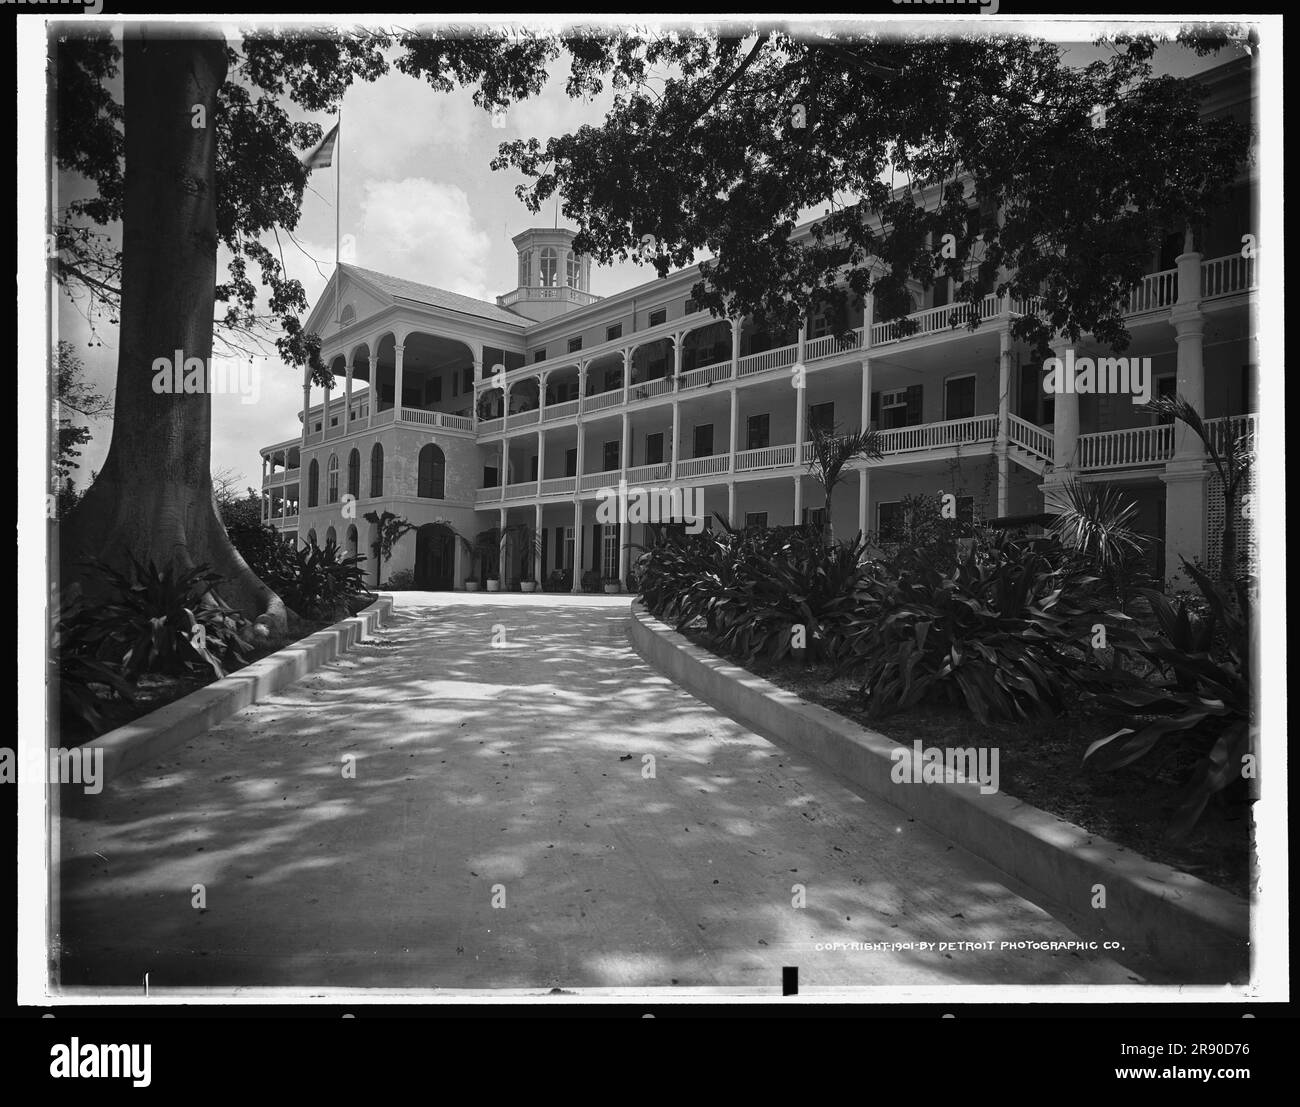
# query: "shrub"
[[758, 593], [560, 580], [400, 580], [319, 582], [84, 682], [1005, 633], [1206, 698], [591, 581], [161, 621]]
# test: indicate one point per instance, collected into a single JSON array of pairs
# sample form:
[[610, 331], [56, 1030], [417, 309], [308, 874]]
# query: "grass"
[[1041, 762]]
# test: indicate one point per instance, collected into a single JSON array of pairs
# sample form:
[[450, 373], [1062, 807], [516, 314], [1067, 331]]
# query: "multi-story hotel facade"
[[459, 415]]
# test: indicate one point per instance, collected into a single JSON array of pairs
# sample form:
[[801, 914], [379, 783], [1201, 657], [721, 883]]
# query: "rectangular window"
[[889, 516], [758, 428], [703, 444], [893, 409], [755, 519], [657, 317], [814, 516], [959, 397], [616, 331], [568, 546], [539, 355], [532, 468], [571, 462], [575, 344], [819, 324], [654, 448], [821, 416], [467, 385], [490, 476], [611, 456], [609, 551]]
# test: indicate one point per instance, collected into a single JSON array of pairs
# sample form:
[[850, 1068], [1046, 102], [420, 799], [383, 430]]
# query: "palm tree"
[[1094, 521], [832, 450], [1232, 457]]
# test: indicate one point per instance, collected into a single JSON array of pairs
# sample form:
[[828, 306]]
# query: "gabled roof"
[[434, 297]]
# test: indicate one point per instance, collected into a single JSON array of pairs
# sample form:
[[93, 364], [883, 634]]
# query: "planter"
[[471, 586], [613, 589], [494, 586], [528, 585]]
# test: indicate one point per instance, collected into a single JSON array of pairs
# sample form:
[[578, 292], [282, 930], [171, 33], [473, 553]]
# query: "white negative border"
[[36, 296]]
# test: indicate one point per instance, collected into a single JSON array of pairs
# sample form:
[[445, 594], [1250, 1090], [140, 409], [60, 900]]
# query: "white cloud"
[[424, 231]]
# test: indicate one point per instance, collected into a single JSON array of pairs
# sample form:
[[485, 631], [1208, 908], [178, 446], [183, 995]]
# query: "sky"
[[420, 201]]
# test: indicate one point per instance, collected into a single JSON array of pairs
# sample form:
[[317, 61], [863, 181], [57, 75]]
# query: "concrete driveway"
[[466, 801]]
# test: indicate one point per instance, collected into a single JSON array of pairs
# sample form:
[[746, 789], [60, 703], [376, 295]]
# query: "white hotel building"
[[641, 387]]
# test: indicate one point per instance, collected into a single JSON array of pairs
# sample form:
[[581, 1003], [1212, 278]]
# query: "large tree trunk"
[[153, 498]]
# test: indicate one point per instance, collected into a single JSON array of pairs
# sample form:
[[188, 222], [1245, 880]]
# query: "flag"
[[322, 155]]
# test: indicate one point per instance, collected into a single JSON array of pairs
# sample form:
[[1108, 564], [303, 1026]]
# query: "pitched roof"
[[436, 297]]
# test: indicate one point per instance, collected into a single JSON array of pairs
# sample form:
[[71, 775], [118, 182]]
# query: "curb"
[[176, 723], [1197, 933]]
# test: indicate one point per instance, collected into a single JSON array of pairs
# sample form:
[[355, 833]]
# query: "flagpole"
[[338, 183]]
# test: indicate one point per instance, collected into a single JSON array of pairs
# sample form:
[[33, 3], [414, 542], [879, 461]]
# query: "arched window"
[[311, 537], [525, 268], [332, 480], [354, 473], [352, 541], [550, 267], [330, 536], [377, 470], [349, 315], [432, 484], [313, 484], [573, 271]]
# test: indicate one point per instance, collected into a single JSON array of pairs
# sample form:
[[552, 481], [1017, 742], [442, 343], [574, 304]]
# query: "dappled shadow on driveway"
[[498, 792]]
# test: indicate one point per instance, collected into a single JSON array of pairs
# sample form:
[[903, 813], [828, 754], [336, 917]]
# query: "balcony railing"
[[766, 457], [488, 495], [706, 375], [602, 399], [703, 466], [779, 358], [1154, 292], [558, 486], [1232, 427], [644, 474], [589, 482], [524, 418], [931, 436], [828, 345], [1227, 276], [1120, 449], [571, 295], [436, 419], [646, 390], [933, 321], [488, 426], [559, 411]]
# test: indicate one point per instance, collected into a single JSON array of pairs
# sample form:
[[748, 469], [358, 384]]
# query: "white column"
[[731, 503], [1065, 418], [864, 498], [735, 348], [347, 397], [478, 377], [627, 374], [733, 430], [1004, 418], [578, 543], [677, 427], [802, 341], [373, 405], [623, 442], [798, 499], [538, 567], [325, 417], [541, 459], [501, 551], [306, 403], [398, 350], [868, 317], [505, 463], [865, 421]]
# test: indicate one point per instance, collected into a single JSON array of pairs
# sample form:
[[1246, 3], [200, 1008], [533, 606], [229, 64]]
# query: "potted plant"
[[493, 581], [483, 552], [471, 585], [613, 585], [524, 542]]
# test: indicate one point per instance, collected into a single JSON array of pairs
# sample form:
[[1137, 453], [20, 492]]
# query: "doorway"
[[435, 558]]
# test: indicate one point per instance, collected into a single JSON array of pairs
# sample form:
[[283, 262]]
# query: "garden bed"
[[1040, 762], [155, 690]]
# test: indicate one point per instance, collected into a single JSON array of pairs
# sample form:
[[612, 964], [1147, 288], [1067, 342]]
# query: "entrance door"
[[435, 558]]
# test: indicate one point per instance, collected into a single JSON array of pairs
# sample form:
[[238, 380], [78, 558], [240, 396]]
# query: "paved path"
[[499, 746]]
